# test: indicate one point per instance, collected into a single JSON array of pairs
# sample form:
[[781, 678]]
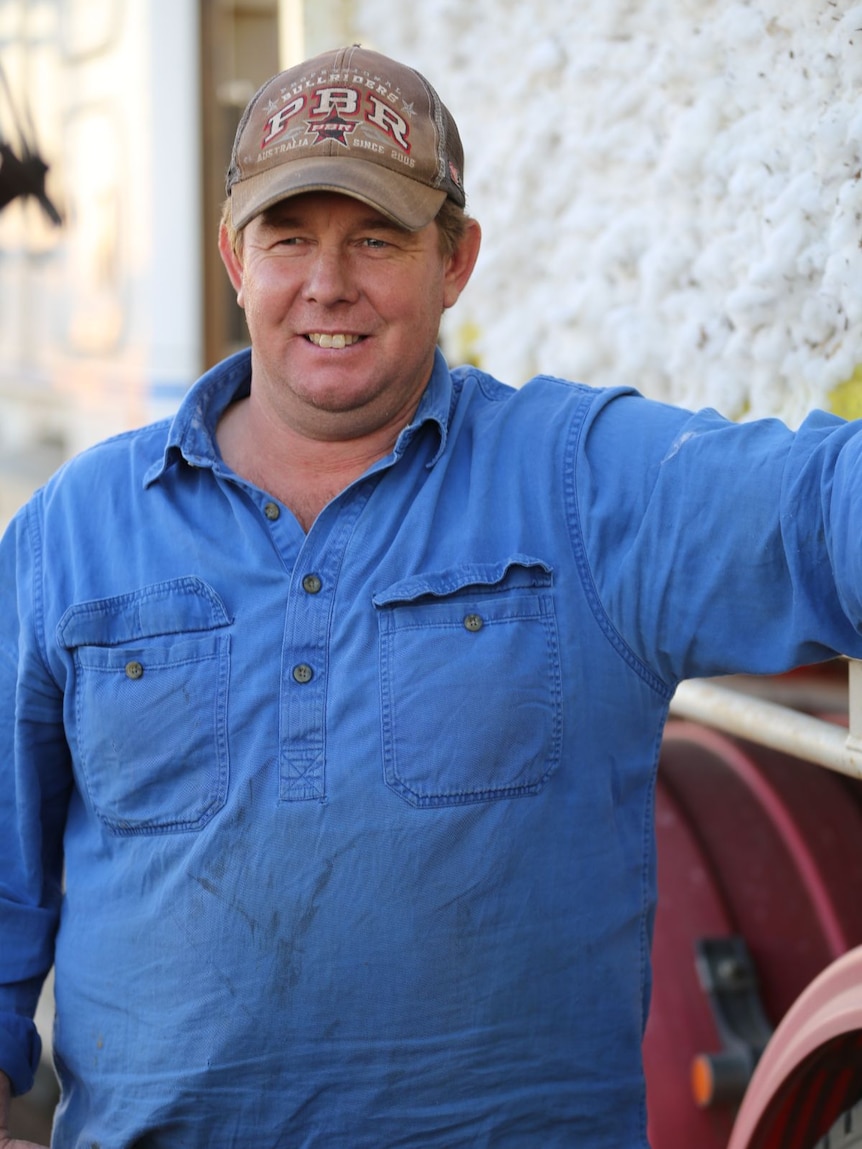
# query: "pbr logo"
[[334, 127], [334, 113]]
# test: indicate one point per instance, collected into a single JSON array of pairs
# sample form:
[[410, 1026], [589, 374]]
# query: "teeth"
[[338, 342]]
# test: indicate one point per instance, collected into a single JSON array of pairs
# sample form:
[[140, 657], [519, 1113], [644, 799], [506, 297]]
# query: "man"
[[340, 697]]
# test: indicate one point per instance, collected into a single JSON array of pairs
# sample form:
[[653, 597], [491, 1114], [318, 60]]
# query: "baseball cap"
[[350, 121]]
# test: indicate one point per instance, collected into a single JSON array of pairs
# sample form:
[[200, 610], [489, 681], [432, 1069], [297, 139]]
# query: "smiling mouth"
[[337, 342]]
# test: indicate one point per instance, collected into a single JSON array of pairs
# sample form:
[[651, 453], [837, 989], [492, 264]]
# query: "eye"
[[374, 243]]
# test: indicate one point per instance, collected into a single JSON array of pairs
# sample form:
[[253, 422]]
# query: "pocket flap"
[[172, 607], [516, 571]]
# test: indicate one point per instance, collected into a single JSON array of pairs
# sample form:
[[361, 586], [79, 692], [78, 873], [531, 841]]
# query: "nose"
[[329, 279]]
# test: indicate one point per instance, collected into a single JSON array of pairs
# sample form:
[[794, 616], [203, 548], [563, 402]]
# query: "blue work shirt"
[[357, 825]]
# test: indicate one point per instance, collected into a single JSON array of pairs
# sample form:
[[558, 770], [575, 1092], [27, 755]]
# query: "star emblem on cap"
[[334, 127]]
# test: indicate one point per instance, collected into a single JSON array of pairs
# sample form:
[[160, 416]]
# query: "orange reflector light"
[[702, 1081]]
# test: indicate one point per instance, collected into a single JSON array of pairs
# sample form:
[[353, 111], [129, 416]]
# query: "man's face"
[[343, 308]]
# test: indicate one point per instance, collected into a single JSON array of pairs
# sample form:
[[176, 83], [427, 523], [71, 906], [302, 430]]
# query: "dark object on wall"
[[23, 174], [22, 178]]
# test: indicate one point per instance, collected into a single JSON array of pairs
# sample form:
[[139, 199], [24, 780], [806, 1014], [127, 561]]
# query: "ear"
[[460, 264], [232, 262]]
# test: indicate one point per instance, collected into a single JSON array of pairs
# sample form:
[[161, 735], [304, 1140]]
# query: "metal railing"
[[778, 726]]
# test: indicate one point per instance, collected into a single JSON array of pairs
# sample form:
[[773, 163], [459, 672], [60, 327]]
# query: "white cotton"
[[670, 193]]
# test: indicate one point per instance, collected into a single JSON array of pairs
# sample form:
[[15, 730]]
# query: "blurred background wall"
[[671, 191]]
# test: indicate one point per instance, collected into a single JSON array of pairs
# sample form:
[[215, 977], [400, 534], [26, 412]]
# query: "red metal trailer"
[[755, 1033]]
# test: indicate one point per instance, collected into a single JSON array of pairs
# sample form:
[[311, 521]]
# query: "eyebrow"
[[280, 215]]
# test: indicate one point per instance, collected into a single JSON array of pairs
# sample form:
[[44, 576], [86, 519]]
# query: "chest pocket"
[[470, 683], [148, 711]]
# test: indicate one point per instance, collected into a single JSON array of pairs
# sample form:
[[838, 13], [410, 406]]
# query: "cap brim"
[[410, 204]]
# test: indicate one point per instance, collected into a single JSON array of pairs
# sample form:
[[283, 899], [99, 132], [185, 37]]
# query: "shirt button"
[[311, 583], [474, 622], [272, 511], [134, 670], [303, 673]]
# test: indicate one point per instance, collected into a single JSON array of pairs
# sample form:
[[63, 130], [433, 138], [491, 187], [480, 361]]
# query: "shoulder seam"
[[35, 537], [579, 549]]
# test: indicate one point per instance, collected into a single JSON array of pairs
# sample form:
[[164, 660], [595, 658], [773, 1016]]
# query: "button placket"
[[306, 658]]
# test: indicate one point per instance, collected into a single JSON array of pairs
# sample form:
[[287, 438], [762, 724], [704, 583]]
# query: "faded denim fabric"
[[357, 825]]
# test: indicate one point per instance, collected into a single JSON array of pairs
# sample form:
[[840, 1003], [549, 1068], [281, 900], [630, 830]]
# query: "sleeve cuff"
[[20, 1050]]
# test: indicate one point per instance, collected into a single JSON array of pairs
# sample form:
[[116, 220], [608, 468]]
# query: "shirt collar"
[[191, 435], [435, 407]]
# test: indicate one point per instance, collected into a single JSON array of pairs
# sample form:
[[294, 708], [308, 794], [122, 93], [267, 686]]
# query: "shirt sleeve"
[[35, 782], [717, 547]]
